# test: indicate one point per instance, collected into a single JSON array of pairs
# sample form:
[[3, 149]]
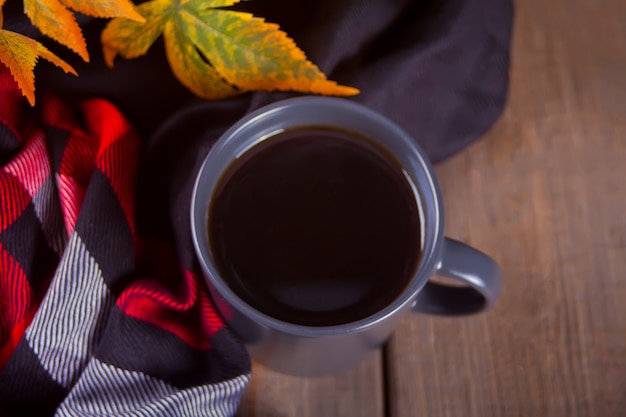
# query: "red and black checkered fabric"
[[97, 318]]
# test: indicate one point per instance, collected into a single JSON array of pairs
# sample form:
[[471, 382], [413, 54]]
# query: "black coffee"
[[315, 227]]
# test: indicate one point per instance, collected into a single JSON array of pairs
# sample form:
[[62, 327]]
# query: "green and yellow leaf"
[[191, 69], [20, 54], [132, 39], [218, 53]]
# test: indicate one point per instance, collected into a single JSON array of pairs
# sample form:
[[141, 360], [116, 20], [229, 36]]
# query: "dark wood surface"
[[544, 193]]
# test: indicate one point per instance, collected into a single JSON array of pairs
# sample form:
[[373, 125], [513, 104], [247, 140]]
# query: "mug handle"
[[469, 266]]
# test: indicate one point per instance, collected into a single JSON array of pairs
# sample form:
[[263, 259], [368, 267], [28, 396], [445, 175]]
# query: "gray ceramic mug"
[[314, 350]]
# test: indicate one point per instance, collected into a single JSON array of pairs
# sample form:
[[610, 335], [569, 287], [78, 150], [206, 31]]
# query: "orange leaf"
[[20, 54], [49, 56], [105, 8], [54, 19]]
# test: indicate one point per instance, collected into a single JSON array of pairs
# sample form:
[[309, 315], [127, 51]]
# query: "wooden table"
[[545, 194]]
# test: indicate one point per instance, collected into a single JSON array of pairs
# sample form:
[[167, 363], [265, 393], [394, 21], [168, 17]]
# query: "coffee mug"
[[318, 223]]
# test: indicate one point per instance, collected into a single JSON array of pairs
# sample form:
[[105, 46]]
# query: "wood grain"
[[545, 194], [358, 392]]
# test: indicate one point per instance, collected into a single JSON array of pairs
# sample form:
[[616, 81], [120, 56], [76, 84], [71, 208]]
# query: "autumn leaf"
[[20, 54], [218, 53], [55, 19]]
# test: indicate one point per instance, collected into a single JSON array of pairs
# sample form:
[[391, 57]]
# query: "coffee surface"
[[315, 227]]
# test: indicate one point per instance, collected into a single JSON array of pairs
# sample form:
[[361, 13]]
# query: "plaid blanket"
[[96, 318]]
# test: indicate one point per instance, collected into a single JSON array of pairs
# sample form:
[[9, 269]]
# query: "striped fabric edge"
[[106, 390], [31, 165], [68, 324], [48, 211], [71, 196]]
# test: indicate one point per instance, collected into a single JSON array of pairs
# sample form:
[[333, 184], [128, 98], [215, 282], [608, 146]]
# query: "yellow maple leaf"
[[55, 19], [218, 53], [20, 54]]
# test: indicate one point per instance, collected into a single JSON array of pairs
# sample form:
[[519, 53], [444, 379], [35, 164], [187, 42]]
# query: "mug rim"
[[423, 270]]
